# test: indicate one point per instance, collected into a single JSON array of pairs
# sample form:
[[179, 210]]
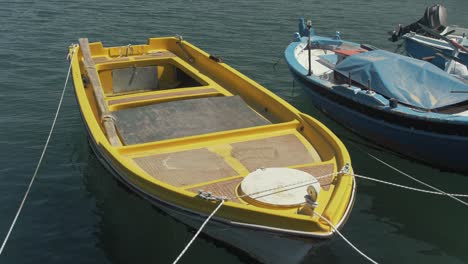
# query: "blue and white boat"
[[441, 39], [407, 105]]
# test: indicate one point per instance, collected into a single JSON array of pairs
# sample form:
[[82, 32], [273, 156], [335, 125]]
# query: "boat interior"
[[193, 124], [326, 57]]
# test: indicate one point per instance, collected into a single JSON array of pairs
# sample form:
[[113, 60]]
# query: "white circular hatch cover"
[[286, 187]]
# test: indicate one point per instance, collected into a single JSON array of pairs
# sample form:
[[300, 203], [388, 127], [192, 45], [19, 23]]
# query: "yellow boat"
[[185, 131]]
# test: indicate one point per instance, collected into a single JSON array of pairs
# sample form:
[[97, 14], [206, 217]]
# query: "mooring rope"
[[419, 181], [410, 188], [345, 239], [209, 196], [286, 187], [274, 190], [40, 159], [199, 231]]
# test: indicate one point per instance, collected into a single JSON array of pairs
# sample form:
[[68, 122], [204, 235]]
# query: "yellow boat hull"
[[155, 97]]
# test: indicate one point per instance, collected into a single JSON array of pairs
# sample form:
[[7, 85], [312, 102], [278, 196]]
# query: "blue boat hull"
[[440, 150], [419, 51]]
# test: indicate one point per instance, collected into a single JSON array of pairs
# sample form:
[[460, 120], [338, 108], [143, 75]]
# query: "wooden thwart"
[[93, 76], [133, 99]]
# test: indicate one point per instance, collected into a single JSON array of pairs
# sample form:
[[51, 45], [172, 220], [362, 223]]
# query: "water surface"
[[77, 213]]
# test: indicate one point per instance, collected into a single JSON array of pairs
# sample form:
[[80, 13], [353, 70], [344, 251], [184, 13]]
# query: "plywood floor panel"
[[320, 170], [220, 189], [183, 118], [280, 151], [186, 167]]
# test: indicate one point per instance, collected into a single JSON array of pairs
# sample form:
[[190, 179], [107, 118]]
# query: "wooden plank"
[[99, 60], [220, 189], [320, 171], [184, 118], [157, 54], [279, 151], [93, 76], [162, 95], [186, 167]]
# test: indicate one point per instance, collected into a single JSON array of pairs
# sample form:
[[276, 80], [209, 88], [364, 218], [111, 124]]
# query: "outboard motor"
[[435, 17]]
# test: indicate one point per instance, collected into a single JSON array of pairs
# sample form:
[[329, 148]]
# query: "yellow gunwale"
[[227, 80]]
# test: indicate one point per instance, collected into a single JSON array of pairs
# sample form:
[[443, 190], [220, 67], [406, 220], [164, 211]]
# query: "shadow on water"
[[77, 213], [132, 230]]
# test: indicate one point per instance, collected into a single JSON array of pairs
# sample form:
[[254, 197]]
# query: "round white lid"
[[282, 185]]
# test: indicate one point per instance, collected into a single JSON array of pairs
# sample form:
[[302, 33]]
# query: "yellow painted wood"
[[107, 122], [320, 142]]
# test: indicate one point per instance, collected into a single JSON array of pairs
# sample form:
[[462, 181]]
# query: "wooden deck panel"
[[320, 170], [280, 151], [220, 189], [186, 167], [161, 95], [184, 118], [192, 167]]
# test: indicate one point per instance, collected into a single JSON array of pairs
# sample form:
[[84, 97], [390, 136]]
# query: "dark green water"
[[77, 213]]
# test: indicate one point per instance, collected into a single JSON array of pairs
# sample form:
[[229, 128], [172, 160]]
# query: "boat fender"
[[337, 35], [296, 37], [393, 102]]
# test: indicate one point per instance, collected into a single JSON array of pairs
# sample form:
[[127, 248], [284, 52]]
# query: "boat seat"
[[328, 60], [151, 55], [183, 118], [348, 52], [160, 96]]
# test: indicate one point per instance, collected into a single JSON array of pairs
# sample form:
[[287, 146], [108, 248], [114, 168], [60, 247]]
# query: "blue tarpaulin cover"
[[410, 81]]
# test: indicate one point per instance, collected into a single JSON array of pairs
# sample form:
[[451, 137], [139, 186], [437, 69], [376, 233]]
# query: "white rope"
[[222, 199], [40, 161], [307, 182], [345, 239], [419, 181], [409, 188], [198, 232], [282, 188]]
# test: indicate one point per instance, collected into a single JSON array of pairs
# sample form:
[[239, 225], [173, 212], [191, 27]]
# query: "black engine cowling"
[[435, 17]]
